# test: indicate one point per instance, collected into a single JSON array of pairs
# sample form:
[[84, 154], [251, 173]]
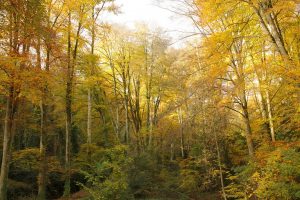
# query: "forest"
[[92, 110]]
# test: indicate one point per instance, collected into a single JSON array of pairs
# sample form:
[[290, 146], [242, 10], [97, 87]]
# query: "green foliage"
[[275, 175], [144, 175], [26, 160], [280, 177], [24, 170], [87, 154], [196, 176], [108, 176]]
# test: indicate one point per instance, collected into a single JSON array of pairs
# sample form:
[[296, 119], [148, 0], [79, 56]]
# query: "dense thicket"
[[97, 111]]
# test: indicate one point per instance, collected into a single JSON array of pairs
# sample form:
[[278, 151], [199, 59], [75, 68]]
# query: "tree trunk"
[[220, 164], [270, 116], [89, 118], [270, 25], [116, 120], [180, 120], [172, 152], [68, 108], [126, 117], [69, 101], [42, 177], [7, 142], [91, 72], [248, 132]]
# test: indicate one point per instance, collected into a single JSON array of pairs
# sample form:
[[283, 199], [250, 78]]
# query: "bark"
[[135, 112], [68, 110], [220, 165], [89, 118], [148, 96], [7, 141], [268, 20], [11, 102], [180, 121], [270, 116], [148, 83], [114, 112], [238, 67], [126, 106], [248, 131], [117, 120], [91, 72], [42, 176], [172, 152], [69, 100], [263, 104]]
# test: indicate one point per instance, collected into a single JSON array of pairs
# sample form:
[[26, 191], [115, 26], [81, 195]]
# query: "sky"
[[148, 11]]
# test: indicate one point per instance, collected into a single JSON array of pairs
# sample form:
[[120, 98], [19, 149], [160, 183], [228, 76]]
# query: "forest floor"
[[82, 195]]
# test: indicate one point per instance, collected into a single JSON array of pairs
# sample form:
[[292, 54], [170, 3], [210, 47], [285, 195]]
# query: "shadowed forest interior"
[[95, 110]]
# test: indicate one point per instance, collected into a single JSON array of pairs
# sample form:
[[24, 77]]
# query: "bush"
[[108, 176], [18, 189], [275, 175]]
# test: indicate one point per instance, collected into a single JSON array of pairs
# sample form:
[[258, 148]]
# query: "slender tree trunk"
[[270, 116], [42, 176], [148, 122], [150, 133], [238, 67], [89, 118], [7, 142], [69, 101], [67, 187], [126, 106], [220, 164], [91, 72], [149, 117], [180, 120], [89, 100], [248, 132], [126, 118], [268, 22], [116, 120], [68, 108], [172, 152]]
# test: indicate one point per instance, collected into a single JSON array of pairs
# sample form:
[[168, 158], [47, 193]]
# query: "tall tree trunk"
[[270, 116], [89, 118], [125, 94], [11, 104], [180, 120], [116, 118], [219, 164], [172, 151], [126, 123], [238, 66], [149, 117], [125, 84], [91, 72], [68, 108], [69, 101], [263, 105], [269, 23], [42, 176], [7, 141], [248, 131]]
